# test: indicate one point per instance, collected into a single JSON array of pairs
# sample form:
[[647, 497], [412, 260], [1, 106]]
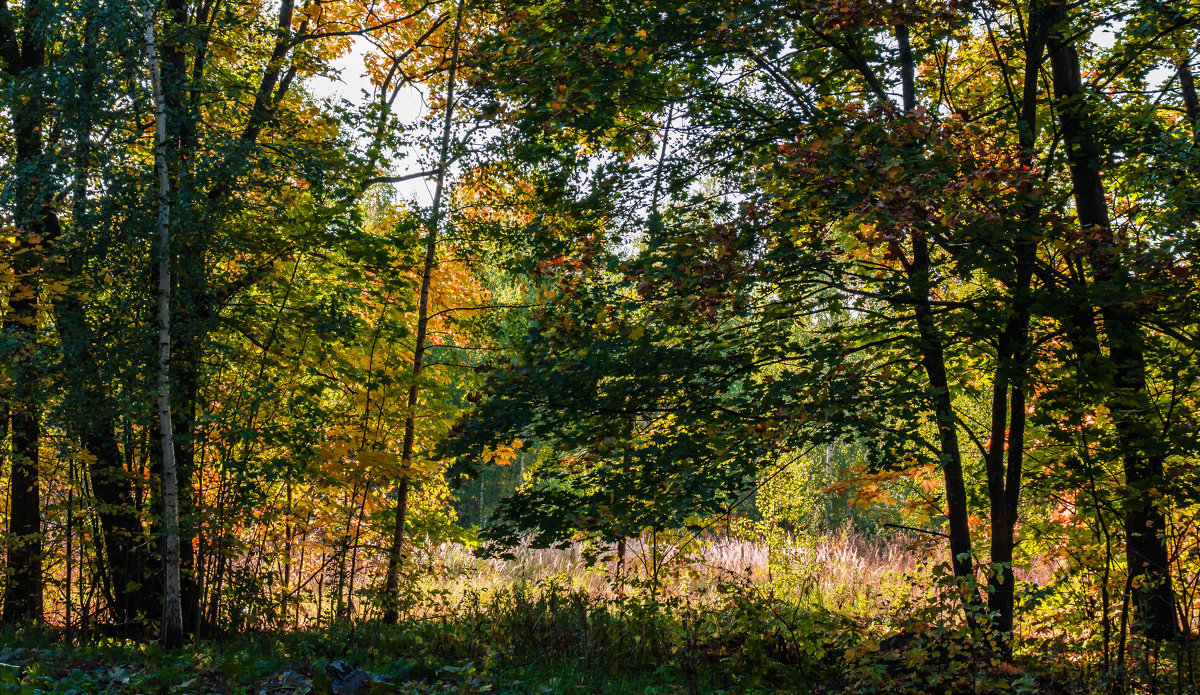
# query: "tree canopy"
[[934, 260]]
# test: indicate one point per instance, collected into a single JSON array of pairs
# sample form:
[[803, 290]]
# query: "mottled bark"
[[172, 626]]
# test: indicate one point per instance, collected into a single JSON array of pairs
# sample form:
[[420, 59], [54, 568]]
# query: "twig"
[[918, 530]]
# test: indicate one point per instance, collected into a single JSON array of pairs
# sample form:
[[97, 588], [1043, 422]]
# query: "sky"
[[352, 84]]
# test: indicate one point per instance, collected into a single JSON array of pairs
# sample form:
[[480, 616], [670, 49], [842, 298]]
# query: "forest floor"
[[839, 615]]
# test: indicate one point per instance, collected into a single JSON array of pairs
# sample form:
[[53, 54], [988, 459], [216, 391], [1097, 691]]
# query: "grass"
[[841, 614]]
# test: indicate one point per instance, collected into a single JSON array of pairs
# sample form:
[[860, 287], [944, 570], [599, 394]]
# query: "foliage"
[[836, 284]]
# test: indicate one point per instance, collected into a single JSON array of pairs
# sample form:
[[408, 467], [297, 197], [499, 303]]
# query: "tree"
[[23, 39], [900, 160], [1142, 455], [396, 555], [270, 119], [172, 602]]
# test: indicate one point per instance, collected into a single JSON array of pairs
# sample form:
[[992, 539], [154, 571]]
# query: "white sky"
[[353, 85]]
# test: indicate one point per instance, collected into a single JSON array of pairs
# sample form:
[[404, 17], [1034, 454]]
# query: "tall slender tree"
[[435, 221], [172, 631], [24, 35], [1142, 452]]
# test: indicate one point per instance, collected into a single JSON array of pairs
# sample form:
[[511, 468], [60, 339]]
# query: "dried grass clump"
[[845, 570]]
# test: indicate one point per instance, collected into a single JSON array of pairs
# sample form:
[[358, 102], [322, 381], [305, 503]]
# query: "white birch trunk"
[[172, 621]]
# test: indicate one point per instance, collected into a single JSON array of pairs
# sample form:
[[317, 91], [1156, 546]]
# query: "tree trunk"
[[1013, 354], [120, 526], [391, 612], [23, 588], [185, 381], [172, 627], [190, 312], [933, 359], [1128, 401], [37, 228], [1187, 87]]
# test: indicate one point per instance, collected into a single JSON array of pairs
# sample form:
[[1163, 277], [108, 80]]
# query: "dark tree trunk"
[[133, 597], [94, 424], [184, 368], [396, 555], [37, 229], [1128, 401], [1007, 431], [23, 588], [1191, 106], [933, 359]]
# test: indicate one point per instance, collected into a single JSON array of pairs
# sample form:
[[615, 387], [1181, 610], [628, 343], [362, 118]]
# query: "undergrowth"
[[839, 617]]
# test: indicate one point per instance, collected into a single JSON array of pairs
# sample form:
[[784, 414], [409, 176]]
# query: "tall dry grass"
[[846, 570]]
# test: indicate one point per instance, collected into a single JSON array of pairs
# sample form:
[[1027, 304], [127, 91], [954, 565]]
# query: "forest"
[[612, 346]]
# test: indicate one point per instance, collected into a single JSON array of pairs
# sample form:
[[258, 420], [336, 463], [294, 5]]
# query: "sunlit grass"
[[843, 612]]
